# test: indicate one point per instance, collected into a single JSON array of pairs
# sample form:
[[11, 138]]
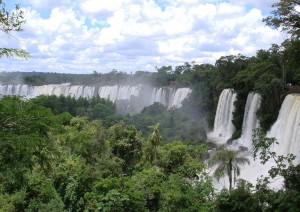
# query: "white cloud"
[[226, 10], [94, 6], [177, 46], [266, 4], [130, 35]]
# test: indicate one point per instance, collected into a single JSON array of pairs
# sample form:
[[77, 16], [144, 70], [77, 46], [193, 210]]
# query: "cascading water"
[[161, 95], [286, 129], [179, 96], [109, 92], [167, 96], [223, 126], [250, 120]]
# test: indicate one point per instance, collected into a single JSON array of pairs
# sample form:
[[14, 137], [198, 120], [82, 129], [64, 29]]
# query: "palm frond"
[[241, 160], [227, 161], [237, 170], [220, 171], [219, 157], [11, 52]]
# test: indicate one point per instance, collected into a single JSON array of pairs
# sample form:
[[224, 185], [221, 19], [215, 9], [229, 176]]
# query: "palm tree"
[[155, 139], [228, 161]]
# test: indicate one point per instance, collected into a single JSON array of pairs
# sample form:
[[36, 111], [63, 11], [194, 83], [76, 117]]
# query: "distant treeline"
[[41, 78], [163, 76], [175, 124]]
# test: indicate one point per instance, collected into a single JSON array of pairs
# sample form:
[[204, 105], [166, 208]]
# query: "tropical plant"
[[155, 139], [228, 162], [126, 143], [263, 148], [12, 22]]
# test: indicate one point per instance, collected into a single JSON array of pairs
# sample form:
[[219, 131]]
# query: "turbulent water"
[[223, 126], [286, 129], [126, 96]]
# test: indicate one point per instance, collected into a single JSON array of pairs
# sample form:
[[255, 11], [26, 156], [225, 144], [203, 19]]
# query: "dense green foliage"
[[95, 108], [64, 163], [176, 124], [69, 163]]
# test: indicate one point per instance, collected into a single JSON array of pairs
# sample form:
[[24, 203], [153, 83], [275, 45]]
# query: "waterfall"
[[286, 129], [223, 126], [115, 92], [88, 92], [61, 89], [73, 91], [21, 90], [170, 97], [250, 120], [137, 96], [179, 96], [161, 95], [126, 91], [109, 92]]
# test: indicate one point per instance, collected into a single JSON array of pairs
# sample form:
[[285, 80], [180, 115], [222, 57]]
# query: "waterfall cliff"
[[286, 129], [223, 126], [121, 94]]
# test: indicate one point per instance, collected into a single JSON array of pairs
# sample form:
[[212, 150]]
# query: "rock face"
[[134, 98]]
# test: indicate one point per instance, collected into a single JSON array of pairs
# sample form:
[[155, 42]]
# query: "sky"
[[82, 36]]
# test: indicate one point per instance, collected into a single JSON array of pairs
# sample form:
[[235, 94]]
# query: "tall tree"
[[24, 138], [9, 22], [155, 139], [126, 143], [287, 16], [228, 162]]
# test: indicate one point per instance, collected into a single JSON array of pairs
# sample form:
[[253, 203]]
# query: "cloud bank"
[[83, 36]]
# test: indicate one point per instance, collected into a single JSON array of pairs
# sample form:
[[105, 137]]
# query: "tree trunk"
[[155, 154], [230, 175]]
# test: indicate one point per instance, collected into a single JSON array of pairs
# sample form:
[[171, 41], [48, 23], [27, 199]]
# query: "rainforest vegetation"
[[67, 154], [65, 163]]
